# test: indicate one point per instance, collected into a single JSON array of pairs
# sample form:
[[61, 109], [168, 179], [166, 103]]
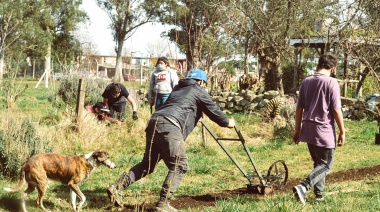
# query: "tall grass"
[[211, 171]]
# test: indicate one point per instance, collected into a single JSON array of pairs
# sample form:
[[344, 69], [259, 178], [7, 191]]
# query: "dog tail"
[[20, 185]]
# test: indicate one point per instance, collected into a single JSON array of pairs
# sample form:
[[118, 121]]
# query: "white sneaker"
[[165, 207], [300, 193]]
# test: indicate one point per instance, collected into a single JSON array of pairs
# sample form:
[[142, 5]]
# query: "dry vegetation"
[[213, 183]]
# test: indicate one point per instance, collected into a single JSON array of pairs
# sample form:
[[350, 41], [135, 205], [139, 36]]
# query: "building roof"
[[311, 42]]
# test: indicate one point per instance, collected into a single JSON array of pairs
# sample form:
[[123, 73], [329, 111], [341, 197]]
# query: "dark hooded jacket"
[[187, 102]]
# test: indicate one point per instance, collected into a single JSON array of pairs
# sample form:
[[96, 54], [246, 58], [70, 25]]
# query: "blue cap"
[[197, 74]]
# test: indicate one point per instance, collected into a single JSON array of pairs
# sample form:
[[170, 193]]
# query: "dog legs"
[[74, 191], [29, 190], [73, 198], [41, 182], [41, 192]]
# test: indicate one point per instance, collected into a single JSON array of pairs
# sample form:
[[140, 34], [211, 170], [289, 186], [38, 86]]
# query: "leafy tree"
[[126, 16], [262, 31], [359, 38], [11, 16], [195, 31], [65, 45], [33, 26], [59, 20], [264, 28]]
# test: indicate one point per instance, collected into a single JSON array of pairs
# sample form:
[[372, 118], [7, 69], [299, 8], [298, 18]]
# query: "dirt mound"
[[210, 199]]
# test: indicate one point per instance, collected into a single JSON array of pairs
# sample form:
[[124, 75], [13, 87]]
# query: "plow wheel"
[[277, 175]]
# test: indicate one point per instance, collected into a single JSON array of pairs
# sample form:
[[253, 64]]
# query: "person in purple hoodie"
[[318, 108]]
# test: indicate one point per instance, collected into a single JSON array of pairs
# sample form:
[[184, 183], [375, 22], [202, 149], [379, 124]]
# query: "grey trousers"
[[163, 141], [323, 162]]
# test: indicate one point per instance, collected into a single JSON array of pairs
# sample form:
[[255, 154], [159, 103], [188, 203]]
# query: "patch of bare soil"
[[208, 200]]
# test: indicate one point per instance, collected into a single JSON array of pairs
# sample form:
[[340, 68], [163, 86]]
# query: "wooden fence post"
[[80, 101], [204, 139]]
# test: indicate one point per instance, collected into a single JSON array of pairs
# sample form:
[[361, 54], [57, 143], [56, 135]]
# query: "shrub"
[[11, 91], [371, 86], [283, 127], [18, 141], [68, 90]]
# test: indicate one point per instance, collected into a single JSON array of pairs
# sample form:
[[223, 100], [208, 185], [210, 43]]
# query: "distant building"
[[104, 66]]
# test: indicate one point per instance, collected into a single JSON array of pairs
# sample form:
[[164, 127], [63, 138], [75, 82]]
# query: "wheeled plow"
[[274, 179]]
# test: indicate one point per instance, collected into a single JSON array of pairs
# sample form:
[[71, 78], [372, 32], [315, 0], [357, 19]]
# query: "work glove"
[[135, 116]]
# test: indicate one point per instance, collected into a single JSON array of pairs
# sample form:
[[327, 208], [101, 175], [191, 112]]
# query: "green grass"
[[211, 171]]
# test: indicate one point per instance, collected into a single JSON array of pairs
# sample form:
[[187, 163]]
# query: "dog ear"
[[100, 155]]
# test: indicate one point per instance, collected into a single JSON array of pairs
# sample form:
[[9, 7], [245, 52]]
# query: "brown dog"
[[70, 170]]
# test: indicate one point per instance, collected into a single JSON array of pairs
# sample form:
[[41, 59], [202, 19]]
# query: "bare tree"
[[157, 48]]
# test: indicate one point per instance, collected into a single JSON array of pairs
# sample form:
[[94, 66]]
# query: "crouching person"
[[166, 133]]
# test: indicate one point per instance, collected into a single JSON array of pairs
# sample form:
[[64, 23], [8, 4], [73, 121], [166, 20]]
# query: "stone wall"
[[247, 101]]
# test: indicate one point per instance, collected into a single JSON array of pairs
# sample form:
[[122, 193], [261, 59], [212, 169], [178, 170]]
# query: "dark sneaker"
[[300, 193], [165, 207], [113, 195], [319, 198]]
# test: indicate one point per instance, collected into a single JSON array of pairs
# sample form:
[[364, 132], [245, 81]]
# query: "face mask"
[[160, 68]]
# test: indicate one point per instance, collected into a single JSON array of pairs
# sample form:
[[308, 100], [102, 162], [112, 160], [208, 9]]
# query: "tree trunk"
[[190, 60], [47, 66], [192, 52], [1, 64], [263, 67], [246, 62], [278, 78], [119, 62], [361, 82], [34, 67]]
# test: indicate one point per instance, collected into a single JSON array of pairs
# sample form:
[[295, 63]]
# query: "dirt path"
[[209, 199]]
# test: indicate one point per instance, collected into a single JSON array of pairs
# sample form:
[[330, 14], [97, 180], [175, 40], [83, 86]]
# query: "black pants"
[[118, 109], [163, 141]]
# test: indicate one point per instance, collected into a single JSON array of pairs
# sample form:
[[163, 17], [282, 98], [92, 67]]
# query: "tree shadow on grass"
[[13, 203], [95, 199], [10, 203]]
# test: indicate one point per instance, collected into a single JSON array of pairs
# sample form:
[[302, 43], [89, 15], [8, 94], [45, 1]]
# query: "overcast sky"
[[100, 34]]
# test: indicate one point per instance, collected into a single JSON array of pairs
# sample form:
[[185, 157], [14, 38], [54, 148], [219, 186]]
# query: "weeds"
[[211, 172]]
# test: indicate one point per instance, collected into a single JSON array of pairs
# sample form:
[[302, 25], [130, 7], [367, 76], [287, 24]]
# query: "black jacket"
[[186, 103]]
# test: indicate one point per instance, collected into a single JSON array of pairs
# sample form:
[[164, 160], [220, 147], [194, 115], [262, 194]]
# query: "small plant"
[[11, 91], [284, 123], [18, 141]]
